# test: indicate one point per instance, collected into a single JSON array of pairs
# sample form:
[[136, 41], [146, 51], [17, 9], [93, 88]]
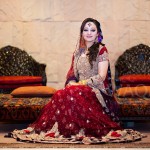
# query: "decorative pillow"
[[33, 91], [20, 79], [135, 78], [139, 91]]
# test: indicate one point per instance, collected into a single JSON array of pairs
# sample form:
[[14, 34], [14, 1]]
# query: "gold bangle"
[[83, 82]]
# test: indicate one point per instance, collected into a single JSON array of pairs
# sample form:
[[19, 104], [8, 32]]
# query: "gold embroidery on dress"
[[103, 57]]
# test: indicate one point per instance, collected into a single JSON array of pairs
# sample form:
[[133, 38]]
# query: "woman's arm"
[[102, 69], [97, 80]]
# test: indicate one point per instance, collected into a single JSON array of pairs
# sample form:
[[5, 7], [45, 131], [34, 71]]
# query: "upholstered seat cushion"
[[21, 109], [133, 106]]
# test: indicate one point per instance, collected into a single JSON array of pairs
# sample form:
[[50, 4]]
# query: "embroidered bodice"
[[84, 69]]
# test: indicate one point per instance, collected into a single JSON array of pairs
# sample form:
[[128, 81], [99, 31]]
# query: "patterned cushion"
[[33, 91]]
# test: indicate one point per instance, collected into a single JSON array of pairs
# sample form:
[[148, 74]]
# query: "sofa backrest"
[[135, 60]]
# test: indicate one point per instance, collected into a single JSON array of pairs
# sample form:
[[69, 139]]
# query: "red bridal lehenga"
[[80, 114]]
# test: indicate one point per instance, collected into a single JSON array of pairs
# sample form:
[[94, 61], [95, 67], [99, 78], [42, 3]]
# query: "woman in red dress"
[[85, 109]]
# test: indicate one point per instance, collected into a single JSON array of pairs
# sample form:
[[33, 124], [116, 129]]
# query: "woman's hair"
[[94, 49]]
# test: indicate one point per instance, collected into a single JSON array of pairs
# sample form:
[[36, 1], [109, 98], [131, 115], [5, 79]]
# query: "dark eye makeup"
[[93, 30]]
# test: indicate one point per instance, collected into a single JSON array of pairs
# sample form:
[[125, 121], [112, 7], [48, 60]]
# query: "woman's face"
[[90, 32]]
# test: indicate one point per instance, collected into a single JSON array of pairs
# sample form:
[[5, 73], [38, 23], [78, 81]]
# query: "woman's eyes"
[[85, 30], [93, 30]]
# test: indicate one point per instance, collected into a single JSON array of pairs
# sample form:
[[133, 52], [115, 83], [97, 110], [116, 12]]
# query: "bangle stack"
[[83, 82]]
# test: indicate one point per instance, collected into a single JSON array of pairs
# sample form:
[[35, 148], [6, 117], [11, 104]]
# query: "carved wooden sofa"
[[20, 70], [132, 79]]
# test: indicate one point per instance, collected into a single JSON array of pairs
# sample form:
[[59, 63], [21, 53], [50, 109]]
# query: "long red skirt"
[[76, 108]]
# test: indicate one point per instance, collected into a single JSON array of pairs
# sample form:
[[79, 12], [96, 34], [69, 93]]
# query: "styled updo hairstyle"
[[94, 49]]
